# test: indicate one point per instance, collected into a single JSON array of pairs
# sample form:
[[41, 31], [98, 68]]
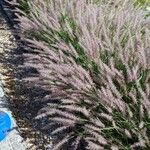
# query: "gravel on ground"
[[13, 140]]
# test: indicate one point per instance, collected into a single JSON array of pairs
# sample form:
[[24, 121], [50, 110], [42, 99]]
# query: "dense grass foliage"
[[94, 58], [23, 5], [142, 1]]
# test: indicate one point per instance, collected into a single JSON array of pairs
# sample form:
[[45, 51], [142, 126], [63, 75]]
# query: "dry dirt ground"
[[23, 101], [13, 140]]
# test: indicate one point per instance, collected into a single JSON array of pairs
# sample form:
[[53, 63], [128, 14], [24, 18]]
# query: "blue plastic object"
[[5, 124]]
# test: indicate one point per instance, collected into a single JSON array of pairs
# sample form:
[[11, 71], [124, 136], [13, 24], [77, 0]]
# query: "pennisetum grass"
[[94, 58]]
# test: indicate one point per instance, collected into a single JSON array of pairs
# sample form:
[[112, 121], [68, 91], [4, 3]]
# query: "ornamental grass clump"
[[94, 58]]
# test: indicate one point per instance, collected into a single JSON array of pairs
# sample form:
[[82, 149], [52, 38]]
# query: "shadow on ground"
[[25, 98]]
